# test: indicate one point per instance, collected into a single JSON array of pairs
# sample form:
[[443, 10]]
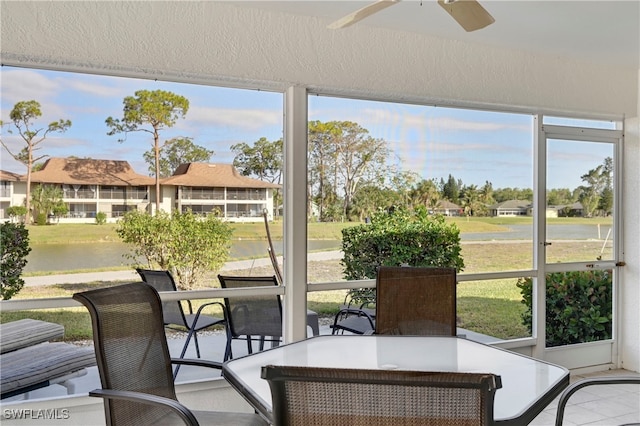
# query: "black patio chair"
[[134, 364], [331, 396], [173, 314], [357, 314], [252, 318]]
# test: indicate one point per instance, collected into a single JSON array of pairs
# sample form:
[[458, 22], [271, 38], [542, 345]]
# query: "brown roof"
[[83, 171], [446, 204], [213, 175], [10, 176]]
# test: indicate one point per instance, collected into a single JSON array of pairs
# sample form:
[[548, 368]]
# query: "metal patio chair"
[[356, 314], [134, 363], [172, 312], [252, 318], [328, 396]]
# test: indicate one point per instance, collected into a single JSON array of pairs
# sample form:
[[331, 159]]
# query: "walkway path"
[[131, 275]]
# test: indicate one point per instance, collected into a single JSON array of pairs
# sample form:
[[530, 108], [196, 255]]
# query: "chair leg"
[[249, 344], [192, 333], [184, 350], [228, 354], [195, 339]]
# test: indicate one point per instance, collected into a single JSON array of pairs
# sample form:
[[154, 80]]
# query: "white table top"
[[528, 385]]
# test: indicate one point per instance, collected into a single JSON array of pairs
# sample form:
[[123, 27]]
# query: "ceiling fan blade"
[[360, 14], [468, 13]]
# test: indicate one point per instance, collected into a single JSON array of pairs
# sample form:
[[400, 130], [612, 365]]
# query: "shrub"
[[183, 243], [101, 218], [400, 237], [17, 212], [41, 219], [578, 306], [60, 210], [15, 248]]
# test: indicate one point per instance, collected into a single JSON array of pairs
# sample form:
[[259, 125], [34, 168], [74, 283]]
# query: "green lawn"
[[488, 307], [491, 308], [92, 233]]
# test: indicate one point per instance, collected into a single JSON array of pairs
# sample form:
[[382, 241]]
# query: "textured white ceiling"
[[252, 45], [604, 29]]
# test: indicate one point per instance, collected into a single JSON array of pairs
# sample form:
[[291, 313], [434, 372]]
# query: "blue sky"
[[473, 146]]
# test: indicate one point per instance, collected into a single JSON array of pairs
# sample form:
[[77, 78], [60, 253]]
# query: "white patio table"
[[528, 385]]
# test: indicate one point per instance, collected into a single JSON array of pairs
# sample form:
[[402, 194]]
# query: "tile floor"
[[601, 405]]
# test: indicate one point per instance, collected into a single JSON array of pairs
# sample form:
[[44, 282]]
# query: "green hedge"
[[14, 245], [400, 237], [578, 306]]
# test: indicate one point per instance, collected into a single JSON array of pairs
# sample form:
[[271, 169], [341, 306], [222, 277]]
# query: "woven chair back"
[[416, 301], [321, 396]]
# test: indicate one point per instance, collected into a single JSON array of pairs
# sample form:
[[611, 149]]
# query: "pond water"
[[65, 257]]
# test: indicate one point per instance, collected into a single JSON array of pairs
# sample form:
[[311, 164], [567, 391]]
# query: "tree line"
[[350, 177]]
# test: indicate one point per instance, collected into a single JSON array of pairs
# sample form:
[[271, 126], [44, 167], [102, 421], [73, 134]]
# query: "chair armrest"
[[573, 388], [197, 362], [185, 414], [208, 304], [224, 310], [356, 311], [353, 311]]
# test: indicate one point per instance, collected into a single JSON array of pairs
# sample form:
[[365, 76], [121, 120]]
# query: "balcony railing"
[[84, 194]]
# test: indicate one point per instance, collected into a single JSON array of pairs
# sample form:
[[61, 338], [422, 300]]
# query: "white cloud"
[[246, 118], [388, 117], [23, 85]]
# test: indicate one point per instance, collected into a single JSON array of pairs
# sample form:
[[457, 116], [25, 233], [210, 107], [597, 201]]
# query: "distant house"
[[570, 210], [511, 208], [446, 208], [90, 186], [219, 188], [525, 208]]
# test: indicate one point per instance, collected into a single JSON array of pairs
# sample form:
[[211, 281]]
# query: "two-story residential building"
[[111, 186], [11, 186], [206, 188]]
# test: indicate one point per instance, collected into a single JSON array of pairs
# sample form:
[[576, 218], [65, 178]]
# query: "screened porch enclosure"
[[390, 66]]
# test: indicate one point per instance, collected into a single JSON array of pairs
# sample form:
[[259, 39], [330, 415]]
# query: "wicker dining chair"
[[309, 396], [416, 301], [134, 363]]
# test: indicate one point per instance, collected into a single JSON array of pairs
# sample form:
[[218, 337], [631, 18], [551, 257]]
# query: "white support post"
[[295, 215], [538, 307]]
